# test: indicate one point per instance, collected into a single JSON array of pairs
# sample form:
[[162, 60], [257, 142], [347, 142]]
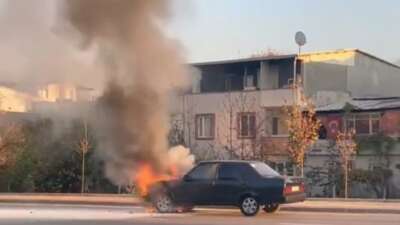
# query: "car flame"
[[146, 176]]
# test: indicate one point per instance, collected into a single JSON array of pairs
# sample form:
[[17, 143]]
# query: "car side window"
[[203, 172], [229, 172]]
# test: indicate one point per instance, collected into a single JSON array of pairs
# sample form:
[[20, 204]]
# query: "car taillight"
[[287, 189], [293, 188]]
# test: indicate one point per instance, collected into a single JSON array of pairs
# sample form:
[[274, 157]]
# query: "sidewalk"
[[311, 205], [345, 206], [89, 199]]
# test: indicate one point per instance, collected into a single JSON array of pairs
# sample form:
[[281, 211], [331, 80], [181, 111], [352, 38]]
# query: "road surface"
[[50, 214]]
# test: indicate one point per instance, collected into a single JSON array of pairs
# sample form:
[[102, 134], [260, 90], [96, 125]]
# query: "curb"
[[129, 200], [352, 200], [117, 200], [340, 210], [77, 202]]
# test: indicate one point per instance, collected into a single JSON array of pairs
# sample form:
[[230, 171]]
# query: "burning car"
[[249, 185]]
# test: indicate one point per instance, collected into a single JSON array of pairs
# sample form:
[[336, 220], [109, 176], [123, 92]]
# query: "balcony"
[[276, 97]]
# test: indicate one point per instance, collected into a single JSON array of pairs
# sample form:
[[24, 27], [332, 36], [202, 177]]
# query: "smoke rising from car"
[[31, 52], [143, 66]]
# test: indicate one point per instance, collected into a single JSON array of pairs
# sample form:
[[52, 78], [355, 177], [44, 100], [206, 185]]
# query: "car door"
[[196, 185], [229, 184]]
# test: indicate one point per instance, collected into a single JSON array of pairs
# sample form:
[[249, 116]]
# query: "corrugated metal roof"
[[250, 59], [287, 56], [363, 104]]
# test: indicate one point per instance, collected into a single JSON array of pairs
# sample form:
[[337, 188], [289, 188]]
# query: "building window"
[[275, 125], [298, 66], [322, 133], [247, 125], [283, 168], [249, 82], [363, 124], [205, 126]]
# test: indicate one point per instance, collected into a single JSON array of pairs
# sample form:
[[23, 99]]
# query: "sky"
[[223, 29]]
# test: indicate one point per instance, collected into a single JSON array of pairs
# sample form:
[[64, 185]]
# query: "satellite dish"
[[300, 38]]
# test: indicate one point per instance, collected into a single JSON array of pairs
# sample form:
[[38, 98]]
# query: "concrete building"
[[64, 92], [235, 106], [47, 98], [13, 100], [376, 122]]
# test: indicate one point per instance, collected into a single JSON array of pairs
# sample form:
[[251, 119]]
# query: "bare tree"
[[303, 126], [176, 135], [347, 146], [188, 119], [82, 150], [235, 106]]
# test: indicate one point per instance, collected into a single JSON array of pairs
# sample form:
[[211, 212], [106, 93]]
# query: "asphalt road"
[[46, 214]]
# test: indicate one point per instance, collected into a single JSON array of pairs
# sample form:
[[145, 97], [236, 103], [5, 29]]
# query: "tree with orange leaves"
[[347, 146], [303, 126], [10, 137]]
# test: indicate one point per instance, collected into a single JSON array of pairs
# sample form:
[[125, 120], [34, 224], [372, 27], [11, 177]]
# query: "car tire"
[[249, 206], [271, 208], [163, 203]]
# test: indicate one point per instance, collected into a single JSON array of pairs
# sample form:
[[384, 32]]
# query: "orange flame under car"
[[147, 176]]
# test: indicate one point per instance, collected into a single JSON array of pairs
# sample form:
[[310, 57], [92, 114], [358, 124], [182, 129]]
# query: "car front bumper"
[[298, 197]]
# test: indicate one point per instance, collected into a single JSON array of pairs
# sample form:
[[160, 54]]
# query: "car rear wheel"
[[163, 203], [249, 206], [271, 208]]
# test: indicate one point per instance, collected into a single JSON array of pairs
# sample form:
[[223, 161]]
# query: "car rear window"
[[264, 170]]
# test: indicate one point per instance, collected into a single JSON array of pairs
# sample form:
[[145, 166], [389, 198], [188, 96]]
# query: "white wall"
[[220, 104], [14, 101], [276, 98], [350, 71], [324, 76], [372, 77]]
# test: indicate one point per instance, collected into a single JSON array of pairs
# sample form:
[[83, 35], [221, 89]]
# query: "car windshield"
[[264, 170]]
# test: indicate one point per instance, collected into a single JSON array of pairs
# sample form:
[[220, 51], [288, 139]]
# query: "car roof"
[[228, 161]]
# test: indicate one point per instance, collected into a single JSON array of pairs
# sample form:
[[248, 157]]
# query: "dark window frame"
[[252, 130], [356, 120], [275, 126]]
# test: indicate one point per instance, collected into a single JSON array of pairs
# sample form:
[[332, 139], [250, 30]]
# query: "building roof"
[[351, 50], [289, 56], [363, 104], [242, 60]]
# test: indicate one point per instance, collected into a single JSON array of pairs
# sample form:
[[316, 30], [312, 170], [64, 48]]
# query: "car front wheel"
[[163, 203], [271, 208], [249, 206]]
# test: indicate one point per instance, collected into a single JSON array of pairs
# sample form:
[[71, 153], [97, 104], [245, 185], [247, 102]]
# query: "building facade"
[[376, 122], [234, 109]]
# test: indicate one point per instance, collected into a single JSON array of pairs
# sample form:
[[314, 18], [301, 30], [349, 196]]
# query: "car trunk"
[[293, 186]]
